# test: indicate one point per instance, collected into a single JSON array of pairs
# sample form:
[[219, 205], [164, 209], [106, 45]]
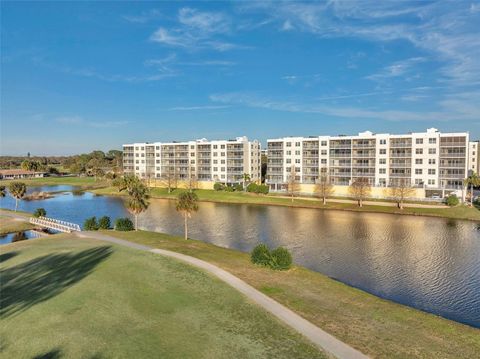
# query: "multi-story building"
[[427, 160], [224, 161], [473, 157]]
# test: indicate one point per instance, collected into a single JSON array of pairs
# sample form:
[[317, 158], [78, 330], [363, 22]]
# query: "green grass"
[[80, 298], [86, 182], [9, 225], [459, 212], [377, 327]]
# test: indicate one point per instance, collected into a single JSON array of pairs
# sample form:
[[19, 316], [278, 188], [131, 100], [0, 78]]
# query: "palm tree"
[[138, 194], [186, 204], [17, 190], [3, 193], [473, 181], [246, 178]]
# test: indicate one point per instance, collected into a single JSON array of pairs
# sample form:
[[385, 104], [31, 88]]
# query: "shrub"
[[263, 189], [104, 222], [252, 187], [90, 224], [124, 224], [229, 189], [238, 187], [260, 255], [453, 200], [40, 212], [218, 186], [281, 259]]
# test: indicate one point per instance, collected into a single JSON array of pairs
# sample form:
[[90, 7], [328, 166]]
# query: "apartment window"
[[158, 168], [215, 162], [473, 153], [289, 153], [136, 155], [157, 154], [222, 176], [431, 182], [383, 151], [431, 171], [419, 151], [215, 147], [324, 143], [157, 148], [297, 144], [432, 151], [324, 152], [324, 161], [297, 153], [192, 154], [418, 171], [222, 147], [192, 162], [215, 169], [143, 148], [192, 147], [297, 169], [382, 181], [432, 161], [158, 161], [136, 148], [383, 161], [223, 169], [419, 161], [432, 141], [137, 168], [143, 154], [215, 154], [297, 161], [383, 142], [143, 161], [382, 171], [419, 141], [223, 153], [136, 161], [222, 162], [289, 144], [288, 161]]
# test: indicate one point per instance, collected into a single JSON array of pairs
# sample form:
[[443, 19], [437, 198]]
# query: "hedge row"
[[279, 259]]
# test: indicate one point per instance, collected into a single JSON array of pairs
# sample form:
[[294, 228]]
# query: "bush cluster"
[[104, 223], [452, 200], [40, 212], [257, 188], [278, 259], [90, 224], [221, 187], [124, 224]]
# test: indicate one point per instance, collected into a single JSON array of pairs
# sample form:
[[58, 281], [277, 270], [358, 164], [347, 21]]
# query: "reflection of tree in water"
[[19, 236]]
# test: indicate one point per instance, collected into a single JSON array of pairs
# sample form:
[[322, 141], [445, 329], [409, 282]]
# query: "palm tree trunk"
[[136, 222], [324, 201], [471, 194], [186, 226], [16, 204]]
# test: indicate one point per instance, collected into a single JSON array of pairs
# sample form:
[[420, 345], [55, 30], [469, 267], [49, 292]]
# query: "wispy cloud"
[[398, 68], [143, 17], [453, 108], [197, 30], [80, 121], [197, 108]]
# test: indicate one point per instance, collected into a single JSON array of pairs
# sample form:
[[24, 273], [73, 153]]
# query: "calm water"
[[18, 236], [431, 264]]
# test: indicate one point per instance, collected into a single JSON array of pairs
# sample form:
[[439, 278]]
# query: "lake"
[[432, 264]]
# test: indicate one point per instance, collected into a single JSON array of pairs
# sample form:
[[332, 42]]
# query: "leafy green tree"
[[104, 222], [246, 180], [138, 194], [472, 181], [40, 212], [186, 205], [90, 224], [123, 224], [3, 192], [17, 191]]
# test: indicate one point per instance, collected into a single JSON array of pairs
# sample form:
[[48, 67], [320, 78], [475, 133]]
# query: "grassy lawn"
[[8, 225], [459, 212], [86, 182], [377, 327], [80, 298]]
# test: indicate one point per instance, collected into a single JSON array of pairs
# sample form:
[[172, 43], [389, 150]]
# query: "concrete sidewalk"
[[320, 338]]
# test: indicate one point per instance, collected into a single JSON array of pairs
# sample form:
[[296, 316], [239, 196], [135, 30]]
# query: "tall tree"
[[3, 193], [17, 190], [293, 185], [360, 189], [170, 178], [192, 179], [472, 181], [323, 187], [246, 180], [400, 190], [186, 205], [138, 195]]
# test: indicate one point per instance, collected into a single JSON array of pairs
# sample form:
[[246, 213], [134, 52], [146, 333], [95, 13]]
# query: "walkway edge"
[[319, 337]]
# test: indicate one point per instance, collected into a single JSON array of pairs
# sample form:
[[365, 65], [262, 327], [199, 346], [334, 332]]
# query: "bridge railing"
[[56, 224]]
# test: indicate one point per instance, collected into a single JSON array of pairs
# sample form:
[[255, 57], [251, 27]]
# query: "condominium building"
[[473, 158], [429, 160], [223, 161]]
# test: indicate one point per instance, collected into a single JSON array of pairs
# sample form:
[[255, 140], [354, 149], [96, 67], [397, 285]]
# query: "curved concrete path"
[[319, 337]]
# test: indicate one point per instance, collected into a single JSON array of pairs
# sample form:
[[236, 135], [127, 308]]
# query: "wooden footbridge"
[[55, 224]]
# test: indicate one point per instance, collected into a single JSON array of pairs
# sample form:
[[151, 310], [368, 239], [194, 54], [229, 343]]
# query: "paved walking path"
[[319, 337]]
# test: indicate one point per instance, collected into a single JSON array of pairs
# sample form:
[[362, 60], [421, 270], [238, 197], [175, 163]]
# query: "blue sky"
[[93, 75]]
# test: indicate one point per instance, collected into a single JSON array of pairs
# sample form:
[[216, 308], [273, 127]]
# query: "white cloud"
[[143, 17], [287, 26], [205, 22], [398, 68], [196, 108]]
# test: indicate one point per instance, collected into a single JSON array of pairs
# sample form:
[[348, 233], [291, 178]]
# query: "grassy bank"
[[377, 327], [9, 225], [80, 298], [459, 212], [85, 182]]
